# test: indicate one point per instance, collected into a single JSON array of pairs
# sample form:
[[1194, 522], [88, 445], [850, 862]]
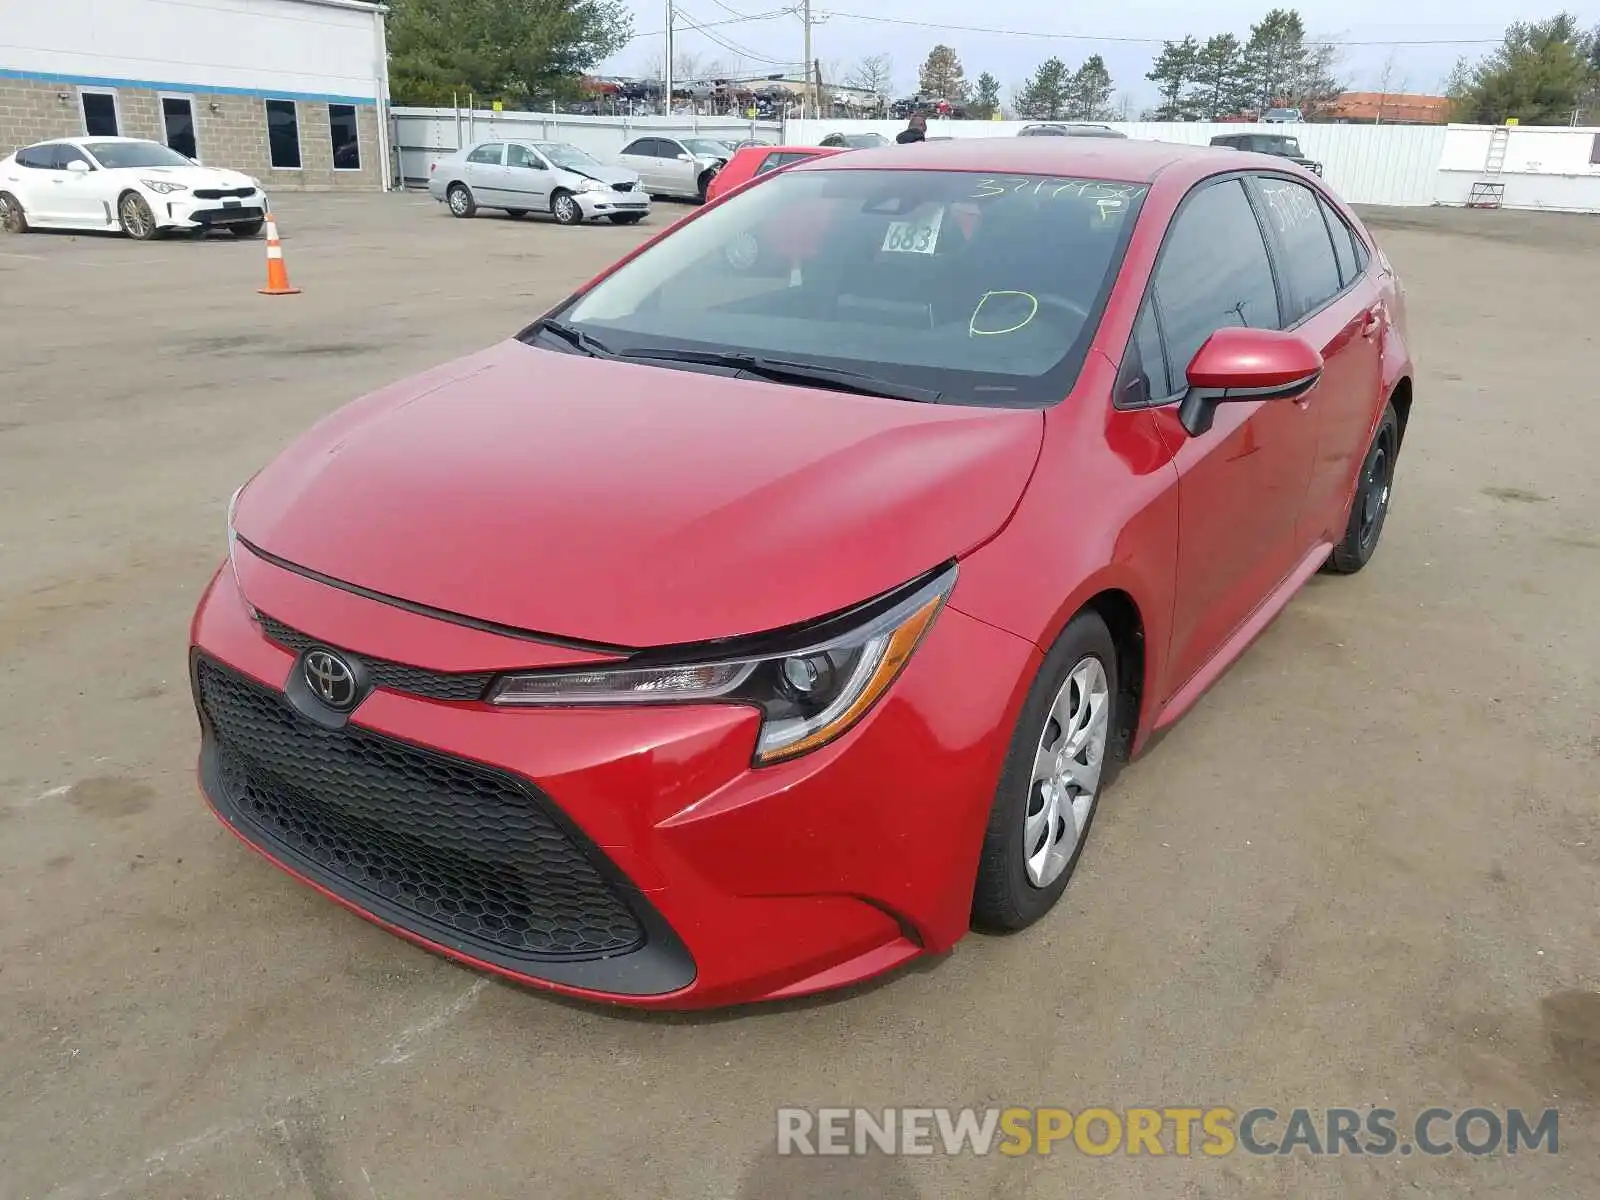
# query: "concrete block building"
[[294, 92]]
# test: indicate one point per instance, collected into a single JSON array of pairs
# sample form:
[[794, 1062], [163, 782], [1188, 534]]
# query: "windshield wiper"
[[577, 339], [783, 370]]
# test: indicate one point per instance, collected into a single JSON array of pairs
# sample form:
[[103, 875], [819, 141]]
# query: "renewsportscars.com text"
[[1178, 1131]]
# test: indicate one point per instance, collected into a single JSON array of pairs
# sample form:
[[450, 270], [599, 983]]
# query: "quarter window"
[[1214, 272], [1152, 357], [773, 161], [99, 113], [1295, 218], [1343, 244], [344, 132], [283, 134]]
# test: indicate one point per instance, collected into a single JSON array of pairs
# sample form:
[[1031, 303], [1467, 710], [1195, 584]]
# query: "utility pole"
[[805, 95], [667, 70]]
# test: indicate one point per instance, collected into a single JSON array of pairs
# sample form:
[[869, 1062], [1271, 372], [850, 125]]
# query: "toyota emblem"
[[330, 678]]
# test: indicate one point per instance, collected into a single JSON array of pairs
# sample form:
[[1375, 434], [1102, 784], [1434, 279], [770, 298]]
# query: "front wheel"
[[138, 222], [565, 209], [626, 218], [1370, 506], [1061, 758], [459, 199], [703, 187], [246, 229], [12, 218]]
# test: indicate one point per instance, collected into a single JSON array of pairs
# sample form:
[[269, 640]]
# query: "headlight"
[[165, 186], [810, 691], [594, 185]]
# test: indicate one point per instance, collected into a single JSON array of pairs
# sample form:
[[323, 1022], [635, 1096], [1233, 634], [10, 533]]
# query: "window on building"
[[177, 115], [283, 134], [1308, 259], [345, 136], [1214, 272], [99, 113]]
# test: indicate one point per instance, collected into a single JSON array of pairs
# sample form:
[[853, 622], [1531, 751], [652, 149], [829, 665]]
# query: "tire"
[[626, 218], [516, 214], [459, 200], [12, 218], [1027, 860], [565, 209], [705, 184], [246, 229], [1369, 508], [138, 222]]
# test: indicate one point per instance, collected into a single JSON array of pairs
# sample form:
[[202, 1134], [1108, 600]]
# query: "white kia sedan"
[[142, 188]]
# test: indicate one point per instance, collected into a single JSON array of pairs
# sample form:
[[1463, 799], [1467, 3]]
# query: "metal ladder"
[[1491, 191]]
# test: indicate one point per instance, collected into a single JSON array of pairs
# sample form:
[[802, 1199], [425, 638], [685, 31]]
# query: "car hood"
[[630, 505], [190, 177], [604, 173]]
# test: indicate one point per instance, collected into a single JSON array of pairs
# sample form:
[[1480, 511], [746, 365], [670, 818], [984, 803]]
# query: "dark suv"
[[1275, 144]]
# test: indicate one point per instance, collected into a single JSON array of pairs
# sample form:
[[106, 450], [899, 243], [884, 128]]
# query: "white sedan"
[[142, 188]]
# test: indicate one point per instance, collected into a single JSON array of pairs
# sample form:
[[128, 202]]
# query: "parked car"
[[760, 159], [1069, 129], [1276, 144], [855, 141], [537, 177], [139, 187], [754, 637], [673, 166]]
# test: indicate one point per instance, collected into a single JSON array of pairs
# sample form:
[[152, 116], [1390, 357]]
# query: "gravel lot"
[[1366, 870]]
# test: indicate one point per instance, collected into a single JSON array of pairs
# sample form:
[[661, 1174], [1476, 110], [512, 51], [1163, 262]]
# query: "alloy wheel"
[[136, 220], [566, 210], [459, 201], [1066, 772]]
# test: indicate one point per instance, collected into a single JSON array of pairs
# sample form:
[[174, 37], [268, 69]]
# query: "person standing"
[[916, 130]]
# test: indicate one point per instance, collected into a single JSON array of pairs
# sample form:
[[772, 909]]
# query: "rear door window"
[[1294, 215], [773, 161], [488, 154]]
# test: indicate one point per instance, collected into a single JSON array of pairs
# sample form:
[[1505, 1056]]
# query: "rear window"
[[987, 289]]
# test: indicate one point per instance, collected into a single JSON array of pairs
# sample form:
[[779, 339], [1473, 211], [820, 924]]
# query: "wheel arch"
[[1118, 609], [1400, 398]]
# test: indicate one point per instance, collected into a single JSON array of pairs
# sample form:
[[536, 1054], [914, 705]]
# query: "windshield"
[[985, 289], [563, 155], [707, 147], [114, 155]]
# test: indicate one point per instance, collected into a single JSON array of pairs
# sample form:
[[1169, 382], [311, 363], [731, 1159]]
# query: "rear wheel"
[[1370, 507], [246, 229], [138, 222], [460, 201], [705, 184], [12, 218], [1061, 759], [626, 218], [565, 209]]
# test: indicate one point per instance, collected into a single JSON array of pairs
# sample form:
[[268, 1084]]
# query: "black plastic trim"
[[660, 966]]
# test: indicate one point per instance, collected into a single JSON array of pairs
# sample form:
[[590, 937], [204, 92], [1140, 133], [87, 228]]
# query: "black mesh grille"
[[397, 677], [219, 193], [457, 846]]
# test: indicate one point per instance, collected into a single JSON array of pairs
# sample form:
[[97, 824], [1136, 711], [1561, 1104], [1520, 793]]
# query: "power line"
[[766, 16], [727, 43], [1137, 41]]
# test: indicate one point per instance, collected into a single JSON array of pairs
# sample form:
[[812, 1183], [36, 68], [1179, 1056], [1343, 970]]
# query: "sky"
[[1009, 38]]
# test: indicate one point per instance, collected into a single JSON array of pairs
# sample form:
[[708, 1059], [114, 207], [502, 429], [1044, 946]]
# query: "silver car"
[[542, 177], [676, 166]]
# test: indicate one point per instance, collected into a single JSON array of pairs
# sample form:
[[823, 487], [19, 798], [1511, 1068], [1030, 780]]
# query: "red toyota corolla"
[[745, 629]]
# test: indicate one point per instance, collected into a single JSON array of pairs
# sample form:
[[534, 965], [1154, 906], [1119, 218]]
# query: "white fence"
[[1404, 165], [424, 135]]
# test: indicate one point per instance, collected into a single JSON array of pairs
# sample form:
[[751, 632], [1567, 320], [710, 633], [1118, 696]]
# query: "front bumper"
[[622, 854], [186, 212], [604, 204]]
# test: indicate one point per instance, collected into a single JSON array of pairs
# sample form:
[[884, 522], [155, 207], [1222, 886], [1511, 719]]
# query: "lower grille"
[[227, 216], [453, 847], [396, 677]]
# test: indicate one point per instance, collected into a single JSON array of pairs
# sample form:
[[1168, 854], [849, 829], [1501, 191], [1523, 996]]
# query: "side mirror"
[[1246, 364], [78, 167], [685, 158]]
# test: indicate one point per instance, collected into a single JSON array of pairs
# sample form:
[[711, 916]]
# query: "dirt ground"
[[1366, 869]]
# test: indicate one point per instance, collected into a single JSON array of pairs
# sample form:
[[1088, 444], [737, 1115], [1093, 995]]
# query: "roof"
[[1393, 106], [1126, 160]]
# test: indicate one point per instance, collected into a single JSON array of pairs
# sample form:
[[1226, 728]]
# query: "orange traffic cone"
[[277, 273]]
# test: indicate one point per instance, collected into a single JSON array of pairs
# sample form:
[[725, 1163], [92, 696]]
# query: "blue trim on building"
[[197, 89]]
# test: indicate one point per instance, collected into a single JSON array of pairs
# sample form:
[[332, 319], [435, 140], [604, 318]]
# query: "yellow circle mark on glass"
[[972, 322]]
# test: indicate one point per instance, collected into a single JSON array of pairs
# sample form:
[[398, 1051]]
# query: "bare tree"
[[874, 74], [1392, 81]]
